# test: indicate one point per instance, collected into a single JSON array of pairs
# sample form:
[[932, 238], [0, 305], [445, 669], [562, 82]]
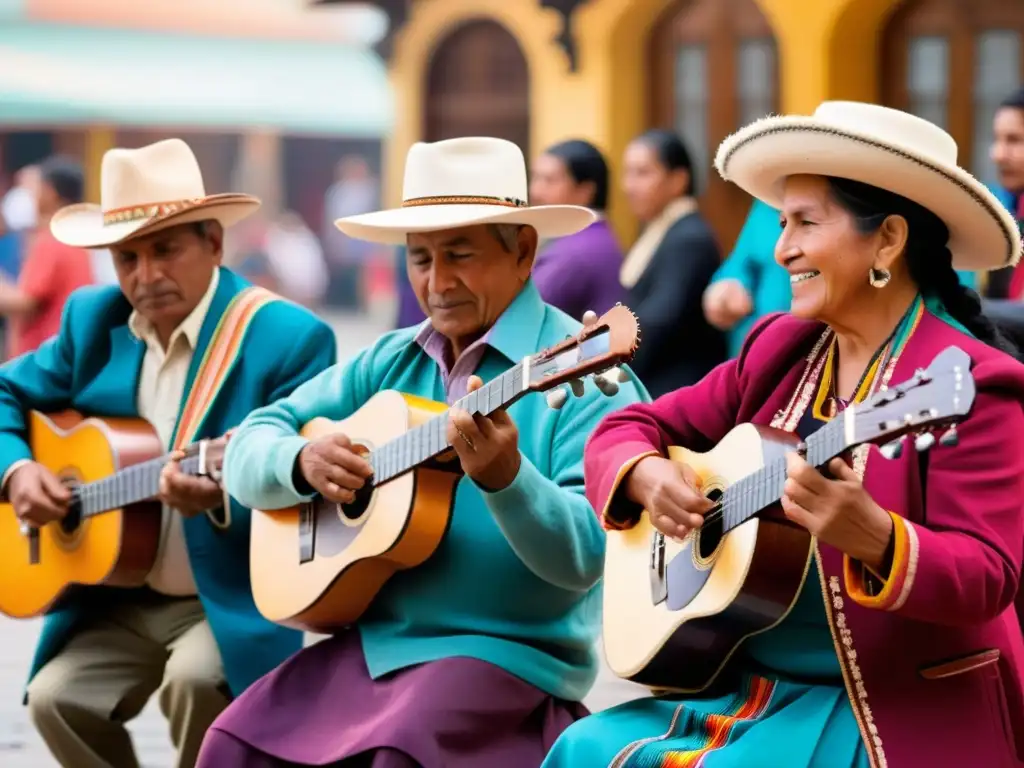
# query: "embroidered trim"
[[893, 587], [149, 210], [508, 202], [832, 596], [218, 361], [914, 548]]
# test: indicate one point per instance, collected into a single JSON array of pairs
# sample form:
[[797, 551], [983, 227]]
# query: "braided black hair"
[[927, 255]]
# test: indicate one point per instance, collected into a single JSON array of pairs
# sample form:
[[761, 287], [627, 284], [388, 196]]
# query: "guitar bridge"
[[659, 586], [31, 534], [307, 532]]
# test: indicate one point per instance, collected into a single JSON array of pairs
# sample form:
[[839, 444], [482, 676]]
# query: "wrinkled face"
[[649, 185], [465, 278], [552, 184], [1007, 150], [166, 274], [828, 260]]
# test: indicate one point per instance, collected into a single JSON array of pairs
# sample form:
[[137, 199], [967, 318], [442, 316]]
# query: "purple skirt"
[[322, 708]]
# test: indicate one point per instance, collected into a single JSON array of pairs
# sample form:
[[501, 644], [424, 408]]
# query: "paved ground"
[[20, 747]]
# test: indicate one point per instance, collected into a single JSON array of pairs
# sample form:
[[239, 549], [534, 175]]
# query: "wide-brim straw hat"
[[460, 182], [145, 190], [885, 148]]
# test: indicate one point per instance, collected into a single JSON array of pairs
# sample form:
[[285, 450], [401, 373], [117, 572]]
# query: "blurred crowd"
[[695, 301]]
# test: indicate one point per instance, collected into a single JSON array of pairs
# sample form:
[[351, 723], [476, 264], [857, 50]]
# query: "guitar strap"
[[222, 353]]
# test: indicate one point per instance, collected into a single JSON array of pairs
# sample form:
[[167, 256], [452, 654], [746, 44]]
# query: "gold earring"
[[879, 278]]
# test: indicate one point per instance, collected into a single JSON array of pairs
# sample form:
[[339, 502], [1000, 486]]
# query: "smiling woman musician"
[[903, 648]]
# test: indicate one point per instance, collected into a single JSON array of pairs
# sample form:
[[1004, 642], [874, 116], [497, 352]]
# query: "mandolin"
[[674, 612], [318, 566]]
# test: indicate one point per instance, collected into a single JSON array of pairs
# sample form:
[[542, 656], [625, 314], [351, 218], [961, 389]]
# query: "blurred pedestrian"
[[296, 260], [51, 270], [749, 284], [669, 266], [579, 272]]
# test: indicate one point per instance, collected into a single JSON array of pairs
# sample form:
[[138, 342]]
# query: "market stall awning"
[[59, 75]]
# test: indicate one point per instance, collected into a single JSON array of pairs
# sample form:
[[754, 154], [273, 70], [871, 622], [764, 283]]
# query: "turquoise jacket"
[[93, 366], [752, 263], [516, 580]]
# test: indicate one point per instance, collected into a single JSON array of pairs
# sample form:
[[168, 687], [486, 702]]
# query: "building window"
[[928, 78], [756, 83], [997, 68], [952, 63], [713, 70], [692, 107]]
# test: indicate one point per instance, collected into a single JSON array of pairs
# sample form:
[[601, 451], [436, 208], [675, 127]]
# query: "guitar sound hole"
[[73, 519], [710, 537], [357, 508]]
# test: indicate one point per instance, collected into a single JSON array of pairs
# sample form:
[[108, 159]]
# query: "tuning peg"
[[557, 398], [577, 387], [949, 437], [589, 317], [606, 384], [620, 374], [893, 449], [924, 441]]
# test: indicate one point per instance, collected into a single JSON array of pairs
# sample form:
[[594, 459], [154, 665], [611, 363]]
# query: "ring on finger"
[[465, 439]]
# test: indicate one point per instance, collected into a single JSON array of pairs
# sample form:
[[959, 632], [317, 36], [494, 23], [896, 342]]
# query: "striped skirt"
[[765, 724]]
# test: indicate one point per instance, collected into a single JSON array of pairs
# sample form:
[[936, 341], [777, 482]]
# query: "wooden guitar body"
[[318, 566], [117, 548], [674, 613]]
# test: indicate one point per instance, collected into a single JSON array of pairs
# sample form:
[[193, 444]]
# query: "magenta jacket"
[[934, 663]]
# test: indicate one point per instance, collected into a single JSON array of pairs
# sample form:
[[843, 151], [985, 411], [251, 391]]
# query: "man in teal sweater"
[[191, 348], [481, 655]]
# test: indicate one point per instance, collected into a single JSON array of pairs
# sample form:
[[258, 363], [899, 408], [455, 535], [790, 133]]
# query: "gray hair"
[[506, 234]]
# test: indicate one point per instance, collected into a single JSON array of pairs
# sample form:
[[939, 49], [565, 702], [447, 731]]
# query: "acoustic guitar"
[[111, 532], [318, 566], [674, 612]]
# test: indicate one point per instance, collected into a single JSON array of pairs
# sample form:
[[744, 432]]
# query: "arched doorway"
[[478, 84], [952, 62], [713, 70]]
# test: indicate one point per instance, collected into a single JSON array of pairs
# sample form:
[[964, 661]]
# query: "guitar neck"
[[429, 440], [754, 493], [131, 485]]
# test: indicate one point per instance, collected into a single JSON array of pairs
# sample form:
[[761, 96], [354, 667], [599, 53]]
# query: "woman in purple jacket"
[[579, 272]]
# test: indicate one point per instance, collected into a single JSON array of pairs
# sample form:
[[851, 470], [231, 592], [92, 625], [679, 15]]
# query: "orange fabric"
[[900, 576], [50, 272]]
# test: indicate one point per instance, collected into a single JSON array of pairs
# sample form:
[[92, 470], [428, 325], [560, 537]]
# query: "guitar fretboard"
[[428, 440], [752, 494], [131, 485]]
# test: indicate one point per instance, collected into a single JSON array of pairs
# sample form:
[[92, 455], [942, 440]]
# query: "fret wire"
[[753, 493], [421, 443]]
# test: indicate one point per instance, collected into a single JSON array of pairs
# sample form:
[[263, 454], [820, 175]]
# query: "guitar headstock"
[[934, 399], [603, 344]]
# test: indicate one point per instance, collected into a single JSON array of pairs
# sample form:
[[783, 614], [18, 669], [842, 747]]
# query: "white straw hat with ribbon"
[[885, 148], [460, 182], [144, 190]]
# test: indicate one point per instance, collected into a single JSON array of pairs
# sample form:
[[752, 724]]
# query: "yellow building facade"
[[541, 71]]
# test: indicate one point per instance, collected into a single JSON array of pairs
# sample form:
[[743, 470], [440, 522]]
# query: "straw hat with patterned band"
[[459, 182], [885, 148], [144, 190]]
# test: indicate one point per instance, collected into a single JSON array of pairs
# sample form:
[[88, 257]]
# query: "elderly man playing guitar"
[[190, 348], [481, 655]]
